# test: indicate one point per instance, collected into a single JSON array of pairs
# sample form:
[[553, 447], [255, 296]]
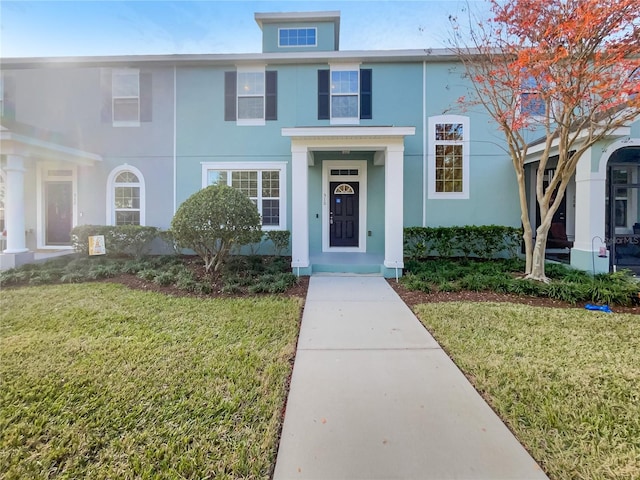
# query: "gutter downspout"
[[175, 135], [424, 143]]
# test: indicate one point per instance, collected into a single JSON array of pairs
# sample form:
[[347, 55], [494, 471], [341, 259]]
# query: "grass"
[[99, 381], [566, 381], [505, 276]]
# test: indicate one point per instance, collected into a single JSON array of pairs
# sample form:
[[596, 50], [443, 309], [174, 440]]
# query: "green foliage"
[[485, 241], [214, 220], [500, 275], [120, 240], [280, 240]]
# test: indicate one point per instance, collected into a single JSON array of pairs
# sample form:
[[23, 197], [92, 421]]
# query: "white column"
[[14, 205], [589, 217], [393, 206], [299, 207]]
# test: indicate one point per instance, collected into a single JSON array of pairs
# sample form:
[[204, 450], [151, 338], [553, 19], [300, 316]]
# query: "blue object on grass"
[[602, 308]]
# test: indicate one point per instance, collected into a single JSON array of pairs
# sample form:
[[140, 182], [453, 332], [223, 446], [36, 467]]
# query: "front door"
[[344, 212], [59, 212]]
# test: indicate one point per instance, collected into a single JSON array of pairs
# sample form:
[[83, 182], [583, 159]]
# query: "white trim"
[[359, 132], [361, 178], [254, 166], [425, 181], [466, 177], [175, 140], [111, 211], [41, 178], [257, 68]]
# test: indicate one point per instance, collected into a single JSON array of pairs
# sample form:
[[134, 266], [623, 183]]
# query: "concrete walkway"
[[373, 396]]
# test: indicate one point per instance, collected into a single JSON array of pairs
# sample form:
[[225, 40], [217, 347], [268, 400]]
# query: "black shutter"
[[271, 98], [323, 95], [106, 113], [230, 79], [9, 98], [366, 111], [146, 98]]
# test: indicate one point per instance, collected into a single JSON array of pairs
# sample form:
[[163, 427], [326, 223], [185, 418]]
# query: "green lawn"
[[99, 381], [566, 381]]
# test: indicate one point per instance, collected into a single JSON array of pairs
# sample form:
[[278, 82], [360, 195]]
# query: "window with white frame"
[[1, 95], [125, 88], [251, 90], [125, 197], [297, 37], [449, 157], [345, 89], [263, 183]]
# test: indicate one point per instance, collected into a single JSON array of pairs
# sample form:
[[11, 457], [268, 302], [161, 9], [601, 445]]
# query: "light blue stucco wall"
[[325, 37]]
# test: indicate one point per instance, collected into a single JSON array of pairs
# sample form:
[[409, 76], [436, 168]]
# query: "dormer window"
[[297, 37]]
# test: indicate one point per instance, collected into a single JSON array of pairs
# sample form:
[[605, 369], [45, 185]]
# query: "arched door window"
[[126, 197]]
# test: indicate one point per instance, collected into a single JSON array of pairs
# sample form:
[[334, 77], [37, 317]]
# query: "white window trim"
[[123, 71], [361, 178], [251, 121], [344, 67], [259, 167], [298, 46], [111, 184], [466, 179]]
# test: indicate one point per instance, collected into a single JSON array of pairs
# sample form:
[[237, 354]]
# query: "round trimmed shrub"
[[213, 221]]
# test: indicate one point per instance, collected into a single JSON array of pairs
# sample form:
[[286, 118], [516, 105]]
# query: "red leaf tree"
[[567, 70]]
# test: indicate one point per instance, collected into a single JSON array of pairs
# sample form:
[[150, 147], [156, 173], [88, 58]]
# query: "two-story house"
[[342, 148]]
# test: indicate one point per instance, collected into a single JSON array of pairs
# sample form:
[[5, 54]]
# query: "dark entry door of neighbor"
[[344, 214], [59, 213]]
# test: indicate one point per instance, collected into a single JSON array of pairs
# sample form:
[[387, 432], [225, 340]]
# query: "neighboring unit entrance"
[[59, 212], [344, 213]]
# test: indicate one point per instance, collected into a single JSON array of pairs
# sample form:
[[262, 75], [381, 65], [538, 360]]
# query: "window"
[[344, 94], [297, 37], [2, 197], [531, 102], [251, 96], [263, 183], [7, 96], [126, 97], [449, 157], [125, 197]]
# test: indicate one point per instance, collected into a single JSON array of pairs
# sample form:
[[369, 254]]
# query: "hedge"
[[120, 240]]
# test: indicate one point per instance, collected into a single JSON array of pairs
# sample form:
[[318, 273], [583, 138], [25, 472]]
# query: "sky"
[[85, 28]]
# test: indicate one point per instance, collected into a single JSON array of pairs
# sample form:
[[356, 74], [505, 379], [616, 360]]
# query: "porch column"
[[14, 205], [393, 206], [299, 209], [590, 217]]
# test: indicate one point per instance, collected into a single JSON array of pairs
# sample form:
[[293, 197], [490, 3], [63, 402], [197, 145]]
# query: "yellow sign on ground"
[[96, 245]]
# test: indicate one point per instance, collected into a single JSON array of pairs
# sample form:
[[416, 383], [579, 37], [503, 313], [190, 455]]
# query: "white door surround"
[[51, 172], [387, 143], [361, 178]]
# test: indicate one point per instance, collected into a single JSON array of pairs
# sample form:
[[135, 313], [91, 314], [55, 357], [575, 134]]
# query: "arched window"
[[125, 196]]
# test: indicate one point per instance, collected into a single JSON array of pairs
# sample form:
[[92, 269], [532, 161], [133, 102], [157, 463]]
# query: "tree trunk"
[[539, 252]]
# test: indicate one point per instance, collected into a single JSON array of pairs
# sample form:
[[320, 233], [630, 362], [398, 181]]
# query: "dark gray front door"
[[59, 212], [344, 214]]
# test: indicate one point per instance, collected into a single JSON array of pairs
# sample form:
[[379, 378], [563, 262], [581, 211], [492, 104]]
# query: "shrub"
[[130, 240], [484, 241], [213, 221], [280, 240]]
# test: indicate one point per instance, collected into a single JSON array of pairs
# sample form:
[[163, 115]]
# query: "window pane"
[[271, 212], [251, 83], [344, 82], [126, 177], [270, 184], [125, 110], [449, 168], [246, 182], [127, 218], [216, 177], [532, 104], [344, 106], [126, 84], [250, 107], [127, 197], [449, 131]]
